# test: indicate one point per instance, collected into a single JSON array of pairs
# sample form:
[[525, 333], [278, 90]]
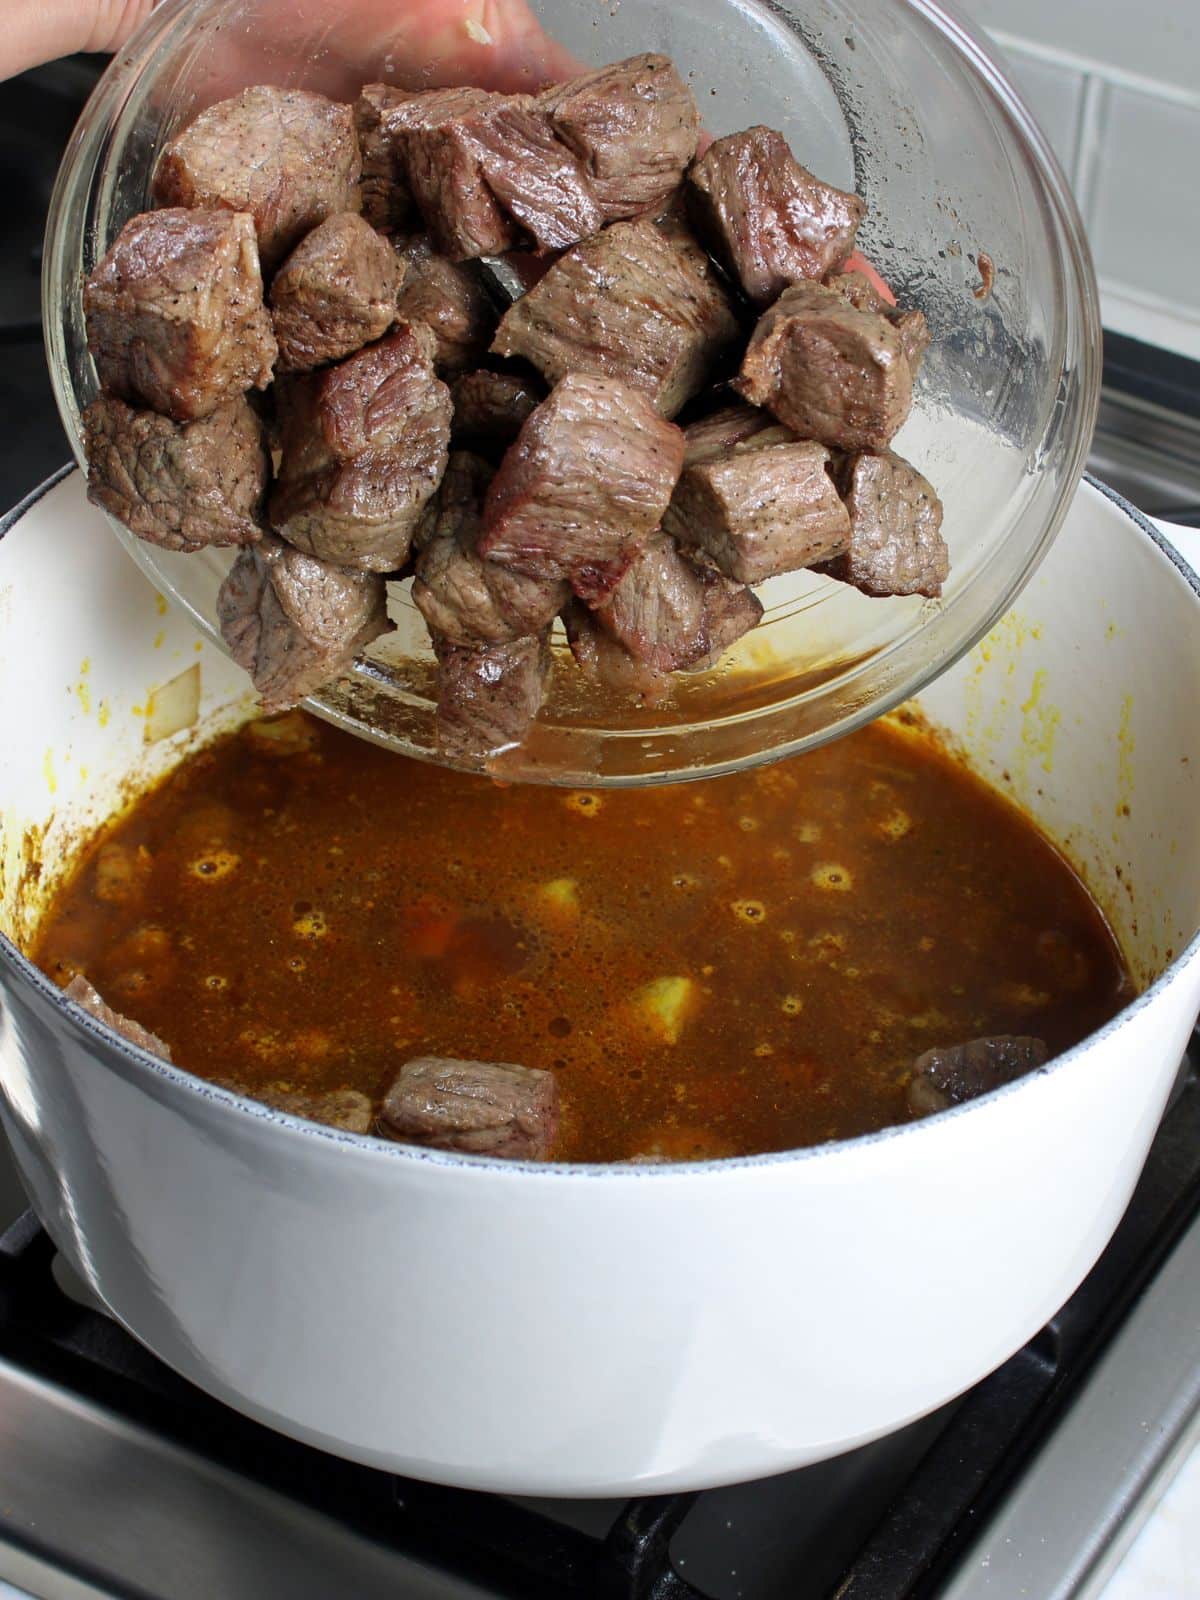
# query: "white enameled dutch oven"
[[571, 1330]]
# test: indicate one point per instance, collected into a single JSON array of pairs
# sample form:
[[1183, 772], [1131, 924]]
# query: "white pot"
[[572, 1330]]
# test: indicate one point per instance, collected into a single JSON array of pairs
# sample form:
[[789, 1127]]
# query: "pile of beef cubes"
[[521, 462]]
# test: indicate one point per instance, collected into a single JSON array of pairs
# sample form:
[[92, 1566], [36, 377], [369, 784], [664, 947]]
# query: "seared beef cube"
[[386, 200], [716, 434], [634, 126], [347, 1109], [910, 325], [293, 622], [288, 157], [433, 134], [364, 448], [484, 1107], [827, 370], [673, 614], [175, 314], [464, 598], [488, 698], [896, 544], [534, 176], [766, 218], [629, 304], [585, 484], [334, 293], [182, 485], [492, 407], [604, 658], [761, 509], [449, 299], [81, 992], [946, 1077]]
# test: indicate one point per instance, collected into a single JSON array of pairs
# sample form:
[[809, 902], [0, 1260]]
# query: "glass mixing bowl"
[[896, 98]]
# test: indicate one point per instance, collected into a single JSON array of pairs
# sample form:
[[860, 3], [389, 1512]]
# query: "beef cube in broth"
[[363, 449], [82, 993], [761, 509], [955, 1073], [464, 598], [346, 1109], [604, 658], [295, 623], [181, 485], [491, 408], [387, 201], [827, 370], [717, 434], [334, 293], [634, 126], [766, 218], [896, 544], [583, 487], [481, 1107], [287, 156], [175, 314], [629, 304], [673, 614], [910, 325], [451, 300], [488, 697]]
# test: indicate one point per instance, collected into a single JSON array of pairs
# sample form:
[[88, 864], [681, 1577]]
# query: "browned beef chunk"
[[488, 698], [181, 485], [484, 1107], [766, 218], [896, 544], [604, 658], [761, 509], [910, 325], [81, 991], [334, 293], [948, 1076], [464, 598], [583, 487], [364, 448], [827, 370], [433, 134], [386, 200], [634, 126], [671, 613], [347, 1109], [288, 157], [492, 407], [534, 176], [175, 314], [629, 304], [716, 434], [449, 299], [293, 622]]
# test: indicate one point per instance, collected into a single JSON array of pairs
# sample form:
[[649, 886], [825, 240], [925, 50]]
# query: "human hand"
[[39, 30]]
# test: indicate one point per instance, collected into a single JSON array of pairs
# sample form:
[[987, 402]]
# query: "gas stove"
[[117, 1478]]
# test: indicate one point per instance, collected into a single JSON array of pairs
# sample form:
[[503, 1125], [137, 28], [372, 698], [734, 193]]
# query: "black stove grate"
[[923, 1494]]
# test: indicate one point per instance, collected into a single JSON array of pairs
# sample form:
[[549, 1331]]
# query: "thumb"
[[39, 30]]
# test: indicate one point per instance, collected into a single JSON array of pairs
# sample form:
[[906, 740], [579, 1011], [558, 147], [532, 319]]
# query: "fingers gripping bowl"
[[898, 103]]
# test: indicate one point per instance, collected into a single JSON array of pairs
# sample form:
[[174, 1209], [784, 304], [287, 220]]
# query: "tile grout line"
[[1049, 55]]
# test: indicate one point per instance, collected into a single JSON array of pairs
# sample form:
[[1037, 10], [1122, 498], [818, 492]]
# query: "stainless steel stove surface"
[[119, 1479]]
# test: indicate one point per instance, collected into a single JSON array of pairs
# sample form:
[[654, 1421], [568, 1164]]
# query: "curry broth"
[[747, 964]]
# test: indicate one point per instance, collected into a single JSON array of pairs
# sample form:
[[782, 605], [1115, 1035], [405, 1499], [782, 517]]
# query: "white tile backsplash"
[[1055, 96]]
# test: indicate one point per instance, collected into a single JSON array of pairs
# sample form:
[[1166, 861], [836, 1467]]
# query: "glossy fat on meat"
[[287, 156], [896, 544], [83, 994], [334, 293], [760, 510], [364, 447], [827, 370], [387, 201], [492, 407], [950, 1075], [295, 623], [488, 697], [465, 599], [910, 325], [630, 304], [175, 315], [481, 1107], [583, 487], [451, 300], [765, 217], [634, 126], [183, 486]]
